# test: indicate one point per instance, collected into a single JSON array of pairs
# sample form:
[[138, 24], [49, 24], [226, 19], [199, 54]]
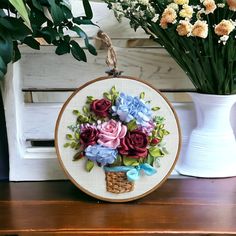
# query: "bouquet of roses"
[[120, 133], [198, 34]]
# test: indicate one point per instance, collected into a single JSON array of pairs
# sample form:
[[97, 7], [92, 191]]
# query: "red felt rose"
[[134, 144], [89, 136], [100, 107]]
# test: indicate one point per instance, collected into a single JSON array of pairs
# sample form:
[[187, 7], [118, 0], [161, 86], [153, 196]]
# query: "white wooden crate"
[[36, 87]]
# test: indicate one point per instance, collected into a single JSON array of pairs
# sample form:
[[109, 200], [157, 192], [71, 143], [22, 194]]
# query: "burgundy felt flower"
[[89, 136], [134, 144], [101, 107]]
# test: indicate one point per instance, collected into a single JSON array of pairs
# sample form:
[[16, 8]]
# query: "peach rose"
[[209, 5], [110, 133], [232, 4], [200, 29], [225, 27], [168, 16], [184, 28]]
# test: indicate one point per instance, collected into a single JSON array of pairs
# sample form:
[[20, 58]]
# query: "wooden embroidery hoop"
[[114, 78]]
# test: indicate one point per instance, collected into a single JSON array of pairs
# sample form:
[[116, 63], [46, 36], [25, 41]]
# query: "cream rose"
[[168, 16], [184, 28], [110, 133], [181, 2], [209, 5], [200, 29], [186, 12], [225, 27]]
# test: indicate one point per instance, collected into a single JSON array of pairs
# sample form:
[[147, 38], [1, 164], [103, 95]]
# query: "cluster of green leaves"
[[111, 95], [158, 150], [210, 65], [23, 21]]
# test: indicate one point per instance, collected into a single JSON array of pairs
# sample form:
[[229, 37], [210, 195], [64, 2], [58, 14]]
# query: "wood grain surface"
[[183, 206]]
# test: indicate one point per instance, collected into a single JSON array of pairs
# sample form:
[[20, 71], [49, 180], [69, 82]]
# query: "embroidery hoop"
[[75, 170], [93, 183]]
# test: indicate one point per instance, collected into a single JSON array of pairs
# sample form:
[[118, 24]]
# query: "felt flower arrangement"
[[119, 132]]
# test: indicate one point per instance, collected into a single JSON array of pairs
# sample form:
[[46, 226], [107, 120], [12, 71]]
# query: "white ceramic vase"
[[211, 151]]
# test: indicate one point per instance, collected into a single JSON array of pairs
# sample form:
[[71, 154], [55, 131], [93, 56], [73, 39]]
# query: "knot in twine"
[[111, 59]]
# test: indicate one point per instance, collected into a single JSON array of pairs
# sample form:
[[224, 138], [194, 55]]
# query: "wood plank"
[[152, 65], [40, 119], [61, 97], [186, 206]]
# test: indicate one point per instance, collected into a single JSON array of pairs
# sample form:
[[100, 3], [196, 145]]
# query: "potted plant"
[[23, 22], [29, 21], [200, 36]]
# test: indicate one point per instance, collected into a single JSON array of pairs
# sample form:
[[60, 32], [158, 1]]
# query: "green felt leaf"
[[69, 136], [155, 152], [130, 161], [107, 95], [76, 112], [21, 8], [132, 125], [142, 95], [77, 135], [155, 108], [73, 144], [89, 165], [85, 109], [150, 160], [77, 156], [67, 145]]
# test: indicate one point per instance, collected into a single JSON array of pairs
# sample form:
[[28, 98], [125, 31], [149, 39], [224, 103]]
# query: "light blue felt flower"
[[101, 154], [128, 108]]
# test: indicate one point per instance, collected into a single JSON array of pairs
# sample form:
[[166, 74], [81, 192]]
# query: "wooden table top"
[[180, 206]]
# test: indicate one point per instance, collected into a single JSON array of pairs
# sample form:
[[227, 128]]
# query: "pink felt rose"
[[110, 133]]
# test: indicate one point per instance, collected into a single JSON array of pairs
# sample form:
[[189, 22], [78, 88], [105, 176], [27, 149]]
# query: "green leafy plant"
[[198, 34], [24, 21]]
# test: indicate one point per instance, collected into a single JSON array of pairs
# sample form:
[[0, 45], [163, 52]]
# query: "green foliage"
[[23, 21], [89, 165], [130, 161]]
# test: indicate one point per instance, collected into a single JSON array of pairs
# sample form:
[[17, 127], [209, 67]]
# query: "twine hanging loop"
[[111, 59]]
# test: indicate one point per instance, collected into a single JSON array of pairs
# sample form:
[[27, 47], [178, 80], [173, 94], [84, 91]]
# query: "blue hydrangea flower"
[[128, 108], [101, 154]]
